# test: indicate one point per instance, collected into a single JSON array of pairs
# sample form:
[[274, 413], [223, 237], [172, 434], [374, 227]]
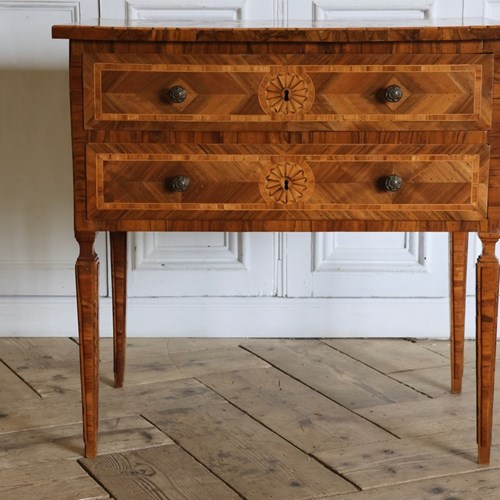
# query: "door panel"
[[373, 10], [179, 10], [202, 264], [367, 265]]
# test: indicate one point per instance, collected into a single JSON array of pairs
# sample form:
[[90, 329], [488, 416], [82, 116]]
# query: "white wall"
[[213, 284]]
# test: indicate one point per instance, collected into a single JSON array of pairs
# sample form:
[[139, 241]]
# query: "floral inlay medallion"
[[287, 93], [287, 183]]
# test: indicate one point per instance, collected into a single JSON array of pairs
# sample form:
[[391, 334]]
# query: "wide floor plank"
[[49, 480], [337, 376], [20, 449], [163, 472], [449, 413], [115, 403], [144, 346], [294, 411], [473, 486], [435, 382], [47, 365], [442, 347], [375, 465], [13, 388], [391, 355], [166, 366], [27, 353], [247, 456]]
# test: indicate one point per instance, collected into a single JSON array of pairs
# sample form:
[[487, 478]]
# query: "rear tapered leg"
[[119, 291], [458, 277]]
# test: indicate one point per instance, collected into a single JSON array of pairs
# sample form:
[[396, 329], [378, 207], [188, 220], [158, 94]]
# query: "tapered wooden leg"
[[487, 312], [87, 271], [458, 277], [119, 290]]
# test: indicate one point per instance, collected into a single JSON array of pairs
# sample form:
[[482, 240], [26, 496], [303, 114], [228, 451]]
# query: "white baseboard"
[[240, 317]]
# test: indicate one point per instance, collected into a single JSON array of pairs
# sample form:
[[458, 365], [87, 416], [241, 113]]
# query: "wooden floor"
[[258, 419]]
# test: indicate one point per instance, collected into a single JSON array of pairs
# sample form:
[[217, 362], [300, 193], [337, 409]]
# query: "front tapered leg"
[[119, 286], [458, 276], [486, 326], [87, 269]]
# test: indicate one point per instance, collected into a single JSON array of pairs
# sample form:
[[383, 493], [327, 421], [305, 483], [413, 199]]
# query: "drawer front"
[[287, 182], [301, 92]]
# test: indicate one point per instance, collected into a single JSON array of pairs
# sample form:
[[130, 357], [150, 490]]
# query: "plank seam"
[[21, 378], [321, 393], [310, 455], [89, 473], [194, 457], [381, 372], [431, 350]]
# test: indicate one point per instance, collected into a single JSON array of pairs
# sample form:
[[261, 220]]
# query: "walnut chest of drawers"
[[306, 128]]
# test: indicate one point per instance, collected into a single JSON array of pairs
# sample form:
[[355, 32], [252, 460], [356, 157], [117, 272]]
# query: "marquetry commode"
[[305, 128]]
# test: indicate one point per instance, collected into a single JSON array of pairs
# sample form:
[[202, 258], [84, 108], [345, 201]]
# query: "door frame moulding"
[[340, 9], [53, 5], [150, 10]]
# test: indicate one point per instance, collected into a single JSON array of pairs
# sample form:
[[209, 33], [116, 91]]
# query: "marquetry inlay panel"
[[287, 93], [309, 182], [287, 182], [308, 92]]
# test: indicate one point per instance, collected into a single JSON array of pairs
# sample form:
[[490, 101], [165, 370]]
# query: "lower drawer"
[[296, 182]]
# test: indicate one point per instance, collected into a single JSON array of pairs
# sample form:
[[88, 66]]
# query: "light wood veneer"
[[286, 129]]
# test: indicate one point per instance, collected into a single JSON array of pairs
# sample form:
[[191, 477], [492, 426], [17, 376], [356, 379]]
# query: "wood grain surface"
[[288, 129], [118, 251], [162, 472], [439, 182], [345, 92], [87, 289], [487, 281], [458, 279], [267, 32]]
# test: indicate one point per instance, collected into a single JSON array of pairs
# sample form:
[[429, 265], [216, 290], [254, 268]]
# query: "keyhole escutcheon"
[[286, 95], [286, 187]]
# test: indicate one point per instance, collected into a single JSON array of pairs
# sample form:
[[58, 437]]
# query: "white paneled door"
[[205, 284]]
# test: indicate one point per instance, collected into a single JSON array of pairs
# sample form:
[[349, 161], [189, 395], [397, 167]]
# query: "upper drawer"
[[294, 92]]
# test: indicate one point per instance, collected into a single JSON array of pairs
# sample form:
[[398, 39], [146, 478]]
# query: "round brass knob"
[[177, 94], [393, 93], [180, 183], [393, 183]]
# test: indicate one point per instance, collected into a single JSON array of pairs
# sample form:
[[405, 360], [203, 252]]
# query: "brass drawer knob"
[[393, 183], [180, 183], [177, 94], [393, 93]]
